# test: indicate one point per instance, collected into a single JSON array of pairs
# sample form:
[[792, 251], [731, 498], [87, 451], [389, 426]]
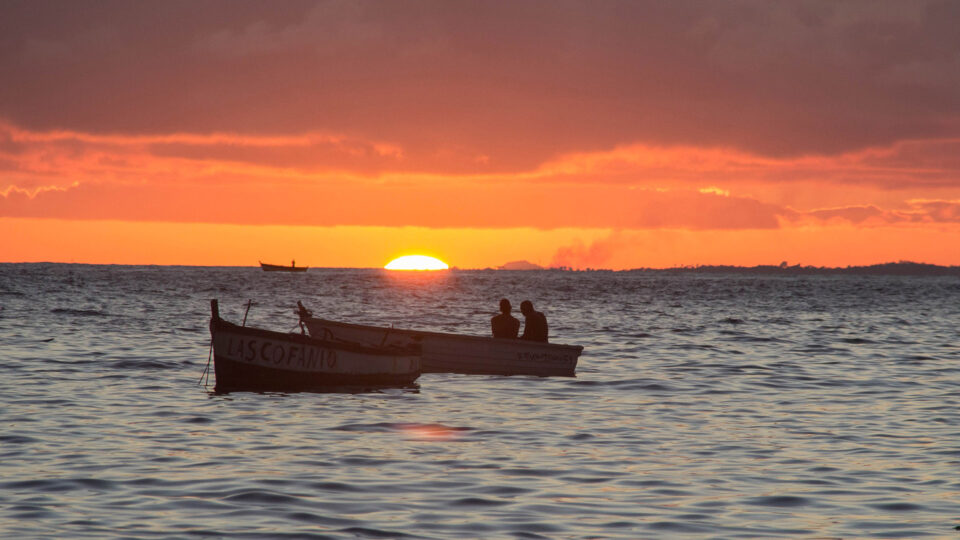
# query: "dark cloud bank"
[[515, 81]]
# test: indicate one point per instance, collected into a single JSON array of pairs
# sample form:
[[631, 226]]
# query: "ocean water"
[[704, 406]]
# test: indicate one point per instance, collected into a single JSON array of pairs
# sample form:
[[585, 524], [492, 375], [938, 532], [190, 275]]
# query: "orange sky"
[[611, 135]]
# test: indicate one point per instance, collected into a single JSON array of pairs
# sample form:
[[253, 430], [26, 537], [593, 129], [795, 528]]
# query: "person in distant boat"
[[505, 325], [534, 324], [293, 263]]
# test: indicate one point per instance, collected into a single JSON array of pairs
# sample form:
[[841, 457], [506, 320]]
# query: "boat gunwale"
[[303, 339], [446, 335]]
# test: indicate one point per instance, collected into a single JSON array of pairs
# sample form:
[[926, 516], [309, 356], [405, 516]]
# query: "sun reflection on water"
[[430, 432]]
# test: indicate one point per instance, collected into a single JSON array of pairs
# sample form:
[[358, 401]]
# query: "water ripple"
[[704, 406]]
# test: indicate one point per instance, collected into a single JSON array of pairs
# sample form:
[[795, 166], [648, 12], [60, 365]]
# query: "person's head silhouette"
[[526, 307], [505, 306]]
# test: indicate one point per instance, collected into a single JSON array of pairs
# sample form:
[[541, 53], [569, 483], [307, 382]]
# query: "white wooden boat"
[[457, 353], [253, 359]]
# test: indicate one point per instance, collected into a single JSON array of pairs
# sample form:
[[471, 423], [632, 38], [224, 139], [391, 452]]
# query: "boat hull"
[[455, 353], [261, 360], [280, 268]]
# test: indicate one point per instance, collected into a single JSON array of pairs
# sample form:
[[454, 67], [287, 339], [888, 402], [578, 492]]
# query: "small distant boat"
[[457, 353], [280, 268], [251, 359]]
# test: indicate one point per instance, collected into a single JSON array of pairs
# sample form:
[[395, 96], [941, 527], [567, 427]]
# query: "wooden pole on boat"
[[214, 309], [245, 312]]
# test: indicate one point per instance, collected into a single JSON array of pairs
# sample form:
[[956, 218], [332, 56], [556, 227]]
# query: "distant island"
[[520, 265], [902, 268]]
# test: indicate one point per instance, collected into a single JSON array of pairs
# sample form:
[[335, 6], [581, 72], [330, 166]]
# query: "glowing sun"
[[416, 262]]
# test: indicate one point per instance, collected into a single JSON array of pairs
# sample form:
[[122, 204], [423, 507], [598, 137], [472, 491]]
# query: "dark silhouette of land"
[[902, 268], [520, 265]]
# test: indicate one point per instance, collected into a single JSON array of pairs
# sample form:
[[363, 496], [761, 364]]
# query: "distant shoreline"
[[885, 269], [903, 268]]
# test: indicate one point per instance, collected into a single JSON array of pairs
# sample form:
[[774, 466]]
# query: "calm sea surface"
[[718, 406]]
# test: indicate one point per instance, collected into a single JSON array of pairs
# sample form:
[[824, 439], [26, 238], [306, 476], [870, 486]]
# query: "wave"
[[144, 364], [79, 312]]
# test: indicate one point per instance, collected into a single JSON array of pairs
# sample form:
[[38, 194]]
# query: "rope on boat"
[[206, 370], [214, 319]]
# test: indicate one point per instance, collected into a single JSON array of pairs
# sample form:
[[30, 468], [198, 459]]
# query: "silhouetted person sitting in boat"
[[505, 325], [535, 323]]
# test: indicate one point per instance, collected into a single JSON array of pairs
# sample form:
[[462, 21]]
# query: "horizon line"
[[775, 267]]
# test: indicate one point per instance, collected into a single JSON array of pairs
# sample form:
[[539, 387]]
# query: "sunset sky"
[[584, 134]]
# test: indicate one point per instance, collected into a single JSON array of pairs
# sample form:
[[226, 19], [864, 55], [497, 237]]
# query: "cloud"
[[938, 211], [824, 244], [657, 243], [332, 179], [14, 191], [44, 157], [860, 215], [517, 82], [477, 206], [348, 202], [903, 164], [917, 211], [596, 254]]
